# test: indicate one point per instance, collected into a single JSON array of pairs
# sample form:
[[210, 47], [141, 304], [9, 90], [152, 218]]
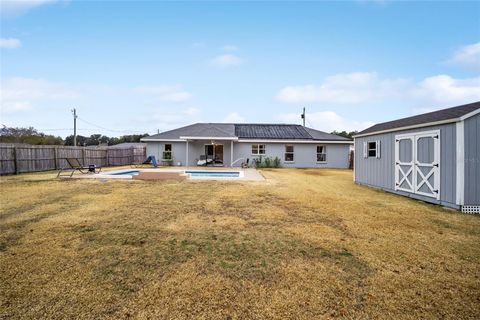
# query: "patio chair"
[[245, 164], [75, 165]]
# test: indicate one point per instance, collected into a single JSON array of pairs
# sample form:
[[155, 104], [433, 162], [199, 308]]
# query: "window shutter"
[[365, 149], [378, 149]]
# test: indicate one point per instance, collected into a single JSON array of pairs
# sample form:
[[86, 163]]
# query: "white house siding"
[[380, 173], [178, 151], [472, 160], [305, 154], [195, 149]]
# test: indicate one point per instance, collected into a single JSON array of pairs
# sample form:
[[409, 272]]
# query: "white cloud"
[[327, 121], [230, 48], [467, 55], [226, 60], [191, 111], [9, 43], [349, 88], [443, 90], [16, 7], [19, 94], [359, 88], [234, 117], [165, 93], [167, 119]]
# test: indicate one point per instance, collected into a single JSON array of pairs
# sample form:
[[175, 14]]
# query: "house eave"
[[421, 125], [161, 140], [209, 138], [295, 141]]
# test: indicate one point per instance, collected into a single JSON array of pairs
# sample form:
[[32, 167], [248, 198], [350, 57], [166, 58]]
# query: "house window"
[[289, 157], [167, 152], [321, 154], [258, 149]]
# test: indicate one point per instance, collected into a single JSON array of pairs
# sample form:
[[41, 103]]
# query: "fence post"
[[15, 159], [106, 156], [55, 157], [84, 156]]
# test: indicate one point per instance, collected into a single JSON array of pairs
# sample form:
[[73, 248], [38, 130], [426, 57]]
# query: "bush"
[[267, 162]]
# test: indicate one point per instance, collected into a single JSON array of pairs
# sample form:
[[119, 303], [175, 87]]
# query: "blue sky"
[[132, 67]]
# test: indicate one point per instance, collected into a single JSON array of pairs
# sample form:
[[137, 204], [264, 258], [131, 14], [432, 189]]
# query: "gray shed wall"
[[380, 173], [472, 160]]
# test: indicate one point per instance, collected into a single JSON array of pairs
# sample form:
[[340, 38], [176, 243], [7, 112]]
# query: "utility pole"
[[74, 111], [303, 116]]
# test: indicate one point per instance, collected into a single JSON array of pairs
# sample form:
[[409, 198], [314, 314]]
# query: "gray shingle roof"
[[440, 115], [248, 131], [198, 130]]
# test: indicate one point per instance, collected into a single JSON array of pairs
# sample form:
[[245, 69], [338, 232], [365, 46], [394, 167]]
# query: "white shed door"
[[404, 164], [427, 164], [417, 163]]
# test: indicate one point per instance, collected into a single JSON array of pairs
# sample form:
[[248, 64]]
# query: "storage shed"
[[434, 157]]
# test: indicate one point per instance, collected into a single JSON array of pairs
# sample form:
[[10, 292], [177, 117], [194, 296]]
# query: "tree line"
[[345, 134], [32, 136]]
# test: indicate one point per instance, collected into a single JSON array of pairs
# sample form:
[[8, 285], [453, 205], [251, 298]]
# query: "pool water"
[[210, 173], [192, 173], [125, 173]]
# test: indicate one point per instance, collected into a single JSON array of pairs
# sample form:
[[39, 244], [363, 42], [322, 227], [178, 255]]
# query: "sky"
[[135, 67]]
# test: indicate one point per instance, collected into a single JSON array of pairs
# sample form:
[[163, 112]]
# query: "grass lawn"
[[305, 244]]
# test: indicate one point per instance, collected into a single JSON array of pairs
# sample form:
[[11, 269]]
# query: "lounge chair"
[[204, 161], [75, 165]]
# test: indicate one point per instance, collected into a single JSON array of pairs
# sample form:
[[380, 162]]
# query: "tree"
[[27, 135], [97, 139], [131, 138], [345, 134], [80, 140]]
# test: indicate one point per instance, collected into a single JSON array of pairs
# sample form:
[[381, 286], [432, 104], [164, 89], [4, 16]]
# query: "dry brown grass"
[[305, 244]]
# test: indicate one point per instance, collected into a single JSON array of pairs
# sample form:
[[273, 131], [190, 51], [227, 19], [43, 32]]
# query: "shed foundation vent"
[[471, 209]]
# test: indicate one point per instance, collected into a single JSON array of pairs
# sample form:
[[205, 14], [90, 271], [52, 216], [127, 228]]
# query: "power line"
[[107, 129]]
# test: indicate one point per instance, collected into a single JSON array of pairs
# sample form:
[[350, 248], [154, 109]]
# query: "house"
[[434, 157], [231, 144]]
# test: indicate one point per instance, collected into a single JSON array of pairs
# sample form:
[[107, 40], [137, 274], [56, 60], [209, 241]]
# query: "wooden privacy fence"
[[28, 158]]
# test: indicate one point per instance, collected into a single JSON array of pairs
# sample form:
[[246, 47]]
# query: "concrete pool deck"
[[249, 174]]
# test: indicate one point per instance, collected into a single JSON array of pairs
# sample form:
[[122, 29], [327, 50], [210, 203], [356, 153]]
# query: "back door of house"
[[417, 163]]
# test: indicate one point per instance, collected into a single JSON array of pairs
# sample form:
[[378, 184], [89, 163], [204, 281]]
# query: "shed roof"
[[454, 114]]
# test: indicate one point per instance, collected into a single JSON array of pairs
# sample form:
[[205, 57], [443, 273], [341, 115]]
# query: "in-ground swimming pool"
[[211, 173], [124, 173], [193, 174]]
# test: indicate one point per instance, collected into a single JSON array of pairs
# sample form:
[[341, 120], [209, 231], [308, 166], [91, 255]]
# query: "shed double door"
[[417, 163]]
